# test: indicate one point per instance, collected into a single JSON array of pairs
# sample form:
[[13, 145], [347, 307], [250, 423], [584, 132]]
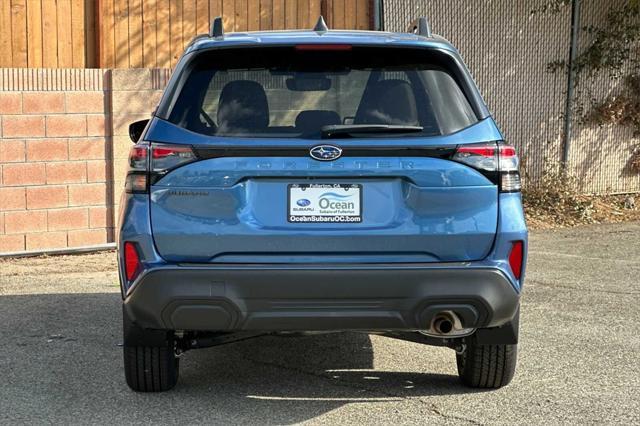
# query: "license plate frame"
[[342, 203]]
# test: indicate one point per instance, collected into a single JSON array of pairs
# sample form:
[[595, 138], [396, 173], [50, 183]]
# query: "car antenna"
[[421, 27], [217, 30], [321, 26]]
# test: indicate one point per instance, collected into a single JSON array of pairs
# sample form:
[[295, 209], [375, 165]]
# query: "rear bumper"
[[312, 297]]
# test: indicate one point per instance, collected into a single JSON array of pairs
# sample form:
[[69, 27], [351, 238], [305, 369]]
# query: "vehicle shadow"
[[63, 363]]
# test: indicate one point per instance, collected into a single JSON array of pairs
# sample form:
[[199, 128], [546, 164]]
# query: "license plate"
[[325, 203]]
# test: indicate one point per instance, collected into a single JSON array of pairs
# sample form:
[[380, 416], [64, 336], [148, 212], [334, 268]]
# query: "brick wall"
[[63, 150]]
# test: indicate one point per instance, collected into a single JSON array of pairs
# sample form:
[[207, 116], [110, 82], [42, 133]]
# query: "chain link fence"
[[508, 46]]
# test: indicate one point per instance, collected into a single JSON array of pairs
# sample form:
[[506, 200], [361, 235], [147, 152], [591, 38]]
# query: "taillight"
[[498, 161], [508, 166], [148, 163], [132, 264], [483, 157], [137, 174], [167, 157], [515, 258]]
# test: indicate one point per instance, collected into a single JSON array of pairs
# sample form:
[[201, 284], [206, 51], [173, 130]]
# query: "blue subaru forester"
[[321, 181]]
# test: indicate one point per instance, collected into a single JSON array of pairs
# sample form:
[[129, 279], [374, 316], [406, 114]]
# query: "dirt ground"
[[63, 272]]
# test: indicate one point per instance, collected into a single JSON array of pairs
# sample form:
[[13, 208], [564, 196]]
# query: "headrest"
[[389, 102], [243, 106]]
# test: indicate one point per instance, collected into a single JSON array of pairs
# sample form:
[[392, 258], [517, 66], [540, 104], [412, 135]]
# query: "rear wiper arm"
[[345, 129]]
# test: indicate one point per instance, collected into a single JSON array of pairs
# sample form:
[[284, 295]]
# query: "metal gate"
[[508, 46]]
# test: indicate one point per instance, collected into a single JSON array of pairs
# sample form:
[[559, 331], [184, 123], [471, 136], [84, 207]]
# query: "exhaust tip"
[[443, 324]]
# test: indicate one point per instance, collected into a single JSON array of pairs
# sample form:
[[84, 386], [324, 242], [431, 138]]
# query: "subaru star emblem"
[[303, 202], [325, 152]]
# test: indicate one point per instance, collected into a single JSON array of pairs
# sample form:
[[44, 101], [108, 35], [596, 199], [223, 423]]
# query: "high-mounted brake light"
[[515, 259], [132, 264], [316, 47], [497, 161]]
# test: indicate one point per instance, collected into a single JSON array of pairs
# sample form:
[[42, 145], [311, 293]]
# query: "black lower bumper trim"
[[318, 298]]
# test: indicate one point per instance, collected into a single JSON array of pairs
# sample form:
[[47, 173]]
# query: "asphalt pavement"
[[579, 356]]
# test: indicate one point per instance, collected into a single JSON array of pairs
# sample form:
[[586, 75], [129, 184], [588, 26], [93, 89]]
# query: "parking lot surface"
[[579, 356]]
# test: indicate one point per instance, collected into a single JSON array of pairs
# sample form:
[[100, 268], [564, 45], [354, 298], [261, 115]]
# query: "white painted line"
[[304, 398]]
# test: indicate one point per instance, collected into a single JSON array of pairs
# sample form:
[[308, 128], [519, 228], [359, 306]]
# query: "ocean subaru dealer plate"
[[325, 203]]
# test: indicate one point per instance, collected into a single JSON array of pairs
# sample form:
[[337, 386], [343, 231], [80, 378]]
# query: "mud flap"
[[134, 335], [506, 334]]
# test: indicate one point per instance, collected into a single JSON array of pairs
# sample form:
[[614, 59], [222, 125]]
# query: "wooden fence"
[[146, 33], [47, 33]]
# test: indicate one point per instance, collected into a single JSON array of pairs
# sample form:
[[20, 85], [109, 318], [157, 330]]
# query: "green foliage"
[[613, 49], [612, 45], [622, 109], [553, 6]]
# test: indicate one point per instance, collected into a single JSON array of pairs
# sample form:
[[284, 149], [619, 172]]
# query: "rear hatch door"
[[420, 207], [261, 190]]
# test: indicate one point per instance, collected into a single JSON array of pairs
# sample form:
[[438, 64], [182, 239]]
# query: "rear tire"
[[150, 369], [150, 364], [486, 366]]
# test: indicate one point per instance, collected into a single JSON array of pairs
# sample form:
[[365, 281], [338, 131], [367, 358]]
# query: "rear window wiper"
[[346, 129]]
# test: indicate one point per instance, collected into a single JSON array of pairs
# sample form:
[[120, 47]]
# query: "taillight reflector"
[[132, 265], [515, 259]]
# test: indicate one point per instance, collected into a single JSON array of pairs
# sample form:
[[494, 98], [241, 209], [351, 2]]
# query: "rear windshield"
[[294, 92]]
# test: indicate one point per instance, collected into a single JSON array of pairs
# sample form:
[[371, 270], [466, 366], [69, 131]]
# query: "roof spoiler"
[[420, 27]]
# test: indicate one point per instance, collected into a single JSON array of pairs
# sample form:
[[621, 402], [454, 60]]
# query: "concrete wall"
[[63, 150]]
